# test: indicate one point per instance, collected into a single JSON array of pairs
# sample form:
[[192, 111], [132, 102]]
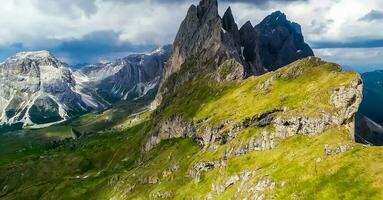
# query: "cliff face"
[[208, 41], [273, 43], [200, 35], [263, 102], [129, 78]]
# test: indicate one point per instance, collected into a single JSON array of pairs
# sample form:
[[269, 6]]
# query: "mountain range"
[[37, 88], [240, 113]]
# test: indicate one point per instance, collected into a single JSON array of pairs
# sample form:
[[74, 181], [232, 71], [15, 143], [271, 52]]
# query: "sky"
[[347, 32]]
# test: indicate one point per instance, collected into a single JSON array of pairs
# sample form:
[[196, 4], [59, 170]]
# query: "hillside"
[[259, 160]]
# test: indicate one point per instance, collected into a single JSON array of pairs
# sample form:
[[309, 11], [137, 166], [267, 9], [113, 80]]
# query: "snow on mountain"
[[128, 78], [36, 88]]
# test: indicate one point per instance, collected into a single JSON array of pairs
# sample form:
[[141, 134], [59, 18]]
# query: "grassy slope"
[[111, 165]]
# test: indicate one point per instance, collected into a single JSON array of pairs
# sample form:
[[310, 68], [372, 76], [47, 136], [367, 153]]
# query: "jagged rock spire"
[[207, 38], [228, 23], [201, 34], [207, 9]]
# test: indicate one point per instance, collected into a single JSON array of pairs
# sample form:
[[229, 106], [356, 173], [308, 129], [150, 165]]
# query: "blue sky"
[[79, 31]]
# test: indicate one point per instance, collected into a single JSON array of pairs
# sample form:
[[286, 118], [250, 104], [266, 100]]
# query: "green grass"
[[110, 163], [203, 98]]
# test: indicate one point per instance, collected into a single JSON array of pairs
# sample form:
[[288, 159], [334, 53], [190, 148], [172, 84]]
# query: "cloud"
[[135, 24], [264, 3], [96, 46], [93, 47], [356, 43], [321, 26], [372, 16], [358, 59], [73, 8]]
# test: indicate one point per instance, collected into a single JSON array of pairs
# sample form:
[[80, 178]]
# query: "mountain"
[[37, 88], [204, 38], [273, 43], [128, 78], [217, 132]]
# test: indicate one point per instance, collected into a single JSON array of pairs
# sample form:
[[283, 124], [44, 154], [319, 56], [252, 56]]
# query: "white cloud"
[[43, 23], [341, 17], [359, 59], [138, 22], [147, 22]]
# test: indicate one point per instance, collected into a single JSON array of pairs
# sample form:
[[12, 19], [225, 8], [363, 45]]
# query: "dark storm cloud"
[[96, 45], [373, 15], [356, 43], [90, 48], [261, 3]]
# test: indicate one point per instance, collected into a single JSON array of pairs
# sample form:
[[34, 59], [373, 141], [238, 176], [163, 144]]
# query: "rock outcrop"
[[206, 41], [343, 102], [200, 35]]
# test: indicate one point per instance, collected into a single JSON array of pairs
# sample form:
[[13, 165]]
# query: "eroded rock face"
[[129, 78], [200, 35], [198, 168], [345, 100], [278, 42], [31, 82], [206, 136], [262, 141], [209, 40], [248, 185]]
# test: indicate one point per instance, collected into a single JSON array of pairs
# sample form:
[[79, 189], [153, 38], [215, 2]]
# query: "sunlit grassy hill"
[[257, 151]]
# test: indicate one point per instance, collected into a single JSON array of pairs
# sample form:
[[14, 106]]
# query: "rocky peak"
[[278, 19], [33, 54], [35, 58], [273, 43], [200, 35], [207, 41], [275, 18], [228, 23], [207, 9]]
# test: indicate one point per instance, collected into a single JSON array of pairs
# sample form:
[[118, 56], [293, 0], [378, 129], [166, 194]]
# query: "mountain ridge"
[[37, 88], [210, 40]]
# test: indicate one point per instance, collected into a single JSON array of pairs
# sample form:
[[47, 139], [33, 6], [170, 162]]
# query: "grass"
[[110, 164], [203, 98], [300, 95]]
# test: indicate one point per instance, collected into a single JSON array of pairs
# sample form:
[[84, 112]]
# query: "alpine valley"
[[37, 89], [226, 112]]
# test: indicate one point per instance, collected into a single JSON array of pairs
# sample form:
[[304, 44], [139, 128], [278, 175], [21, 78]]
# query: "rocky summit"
[[212, 41]]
